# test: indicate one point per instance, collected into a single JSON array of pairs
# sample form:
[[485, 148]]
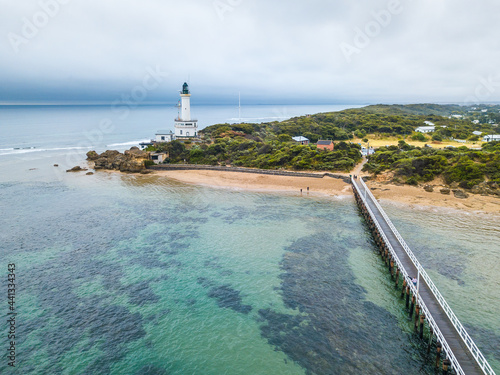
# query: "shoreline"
[[328, 186], [259, 182]]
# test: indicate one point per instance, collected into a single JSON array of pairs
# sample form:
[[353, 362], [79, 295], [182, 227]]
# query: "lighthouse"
[[185, 126]]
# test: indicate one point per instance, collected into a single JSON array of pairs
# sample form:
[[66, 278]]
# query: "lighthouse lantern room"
[[185, 126]]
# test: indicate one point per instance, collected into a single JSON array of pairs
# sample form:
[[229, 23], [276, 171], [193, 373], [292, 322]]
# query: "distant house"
[[367, 151], [475, 122], [326, 145], [429, 123], [491, 137], [477, 132], [164, 136], [301, 140], [425, 129]]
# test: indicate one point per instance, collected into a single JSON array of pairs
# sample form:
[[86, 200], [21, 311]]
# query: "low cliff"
[[132, 160]]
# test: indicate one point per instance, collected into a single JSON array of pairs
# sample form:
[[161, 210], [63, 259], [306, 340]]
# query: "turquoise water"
[[121, 274], [124, 274]]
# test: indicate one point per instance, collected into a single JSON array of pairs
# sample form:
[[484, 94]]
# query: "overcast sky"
[[272, 51]]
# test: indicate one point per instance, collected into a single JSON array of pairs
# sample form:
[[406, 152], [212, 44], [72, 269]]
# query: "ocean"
[[124, 274]]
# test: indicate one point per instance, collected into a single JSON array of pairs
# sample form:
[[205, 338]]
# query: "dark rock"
[[486, 188], [130, 161], [76, 169], [109, 154], [92, 155], [146, 171], [445, 191], [136, 153], [56, 165], [100, 163], [460, 194], [429, 188], [89, 173]]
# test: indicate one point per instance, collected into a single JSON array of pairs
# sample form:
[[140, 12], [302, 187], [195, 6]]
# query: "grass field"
[[376, 141]]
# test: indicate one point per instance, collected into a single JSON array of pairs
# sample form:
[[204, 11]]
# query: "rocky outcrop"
[[130, 161], [92, 155], [486, 188]]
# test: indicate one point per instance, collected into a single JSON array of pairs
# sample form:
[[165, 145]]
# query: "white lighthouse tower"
[[185, 127]]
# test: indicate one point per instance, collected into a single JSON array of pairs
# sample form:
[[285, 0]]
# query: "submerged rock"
[[76, 169], [445, 191]]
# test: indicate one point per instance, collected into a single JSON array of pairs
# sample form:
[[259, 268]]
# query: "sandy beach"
[[408, 195], [417, 196], [260, 182]]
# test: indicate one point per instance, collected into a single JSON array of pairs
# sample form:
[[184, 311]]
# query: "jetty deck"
[[458, 346]]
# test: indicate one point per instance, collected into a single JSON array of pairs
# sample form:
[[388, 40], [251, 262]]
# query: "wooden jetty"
[[453, 344]]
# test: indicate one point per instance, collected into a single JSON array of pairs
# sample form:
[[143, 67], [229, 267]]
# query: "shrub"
[[412, 181], [419, 137], [437, 137]]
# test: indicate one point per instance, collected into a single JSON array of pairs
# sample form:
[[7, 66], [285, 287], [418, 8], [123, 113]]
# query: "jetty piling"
[[452, 340]]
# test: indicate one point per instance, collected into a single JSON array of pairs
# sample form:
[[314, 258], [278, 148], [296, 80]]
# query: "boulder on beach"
[[445, 191], [486, 188], [460, 194], [429, 188]]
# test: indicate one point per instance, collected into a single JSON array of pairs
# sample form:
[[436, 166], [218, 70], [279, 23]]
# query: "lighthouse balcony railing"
[[186, 121]]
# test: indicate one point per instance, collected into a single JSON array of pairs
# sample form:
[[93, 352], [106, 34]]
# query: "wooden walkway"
[[455, 342]]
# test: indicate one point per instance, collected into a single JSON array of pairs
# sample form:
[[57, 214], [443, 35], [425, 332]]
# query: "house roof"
[[324, 143], [477, 132], [300, 139], [166, 132]]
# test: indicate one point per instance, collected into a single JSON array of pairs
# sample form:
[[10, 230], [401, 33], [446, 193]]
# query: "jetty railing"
[[469, 342], [432, 323]]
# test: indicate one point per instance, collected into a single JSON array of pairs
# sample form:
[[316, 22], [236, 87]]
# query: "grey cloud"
[[270, 51]]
